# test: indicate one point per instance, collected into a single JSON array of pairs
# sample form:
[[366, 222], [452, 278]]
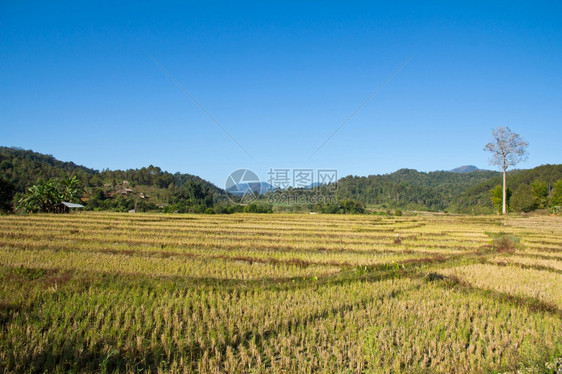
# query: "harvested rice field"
[[280, 293]]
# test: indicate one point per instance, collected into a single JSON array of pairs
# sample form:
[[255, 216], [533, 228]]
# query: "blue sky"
[[77, 81]]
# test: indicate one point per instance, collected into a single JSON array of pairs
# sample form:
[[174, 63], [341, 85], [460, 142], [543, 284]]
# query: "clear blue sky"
[[77, 81]]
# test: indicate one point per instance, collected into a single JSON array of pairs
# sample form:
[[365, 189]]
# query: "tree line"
[[528, 197], [151, 189]]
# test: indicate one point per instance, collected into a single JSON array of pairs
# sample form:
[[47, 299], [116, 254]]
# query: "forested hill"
[[150, 188], [441, 190], [24, 168], [479, 195], [412, 189]]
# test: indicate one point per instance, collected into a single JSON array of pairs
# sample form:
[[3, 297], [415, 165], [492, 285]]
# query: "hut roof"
[[71, 205]]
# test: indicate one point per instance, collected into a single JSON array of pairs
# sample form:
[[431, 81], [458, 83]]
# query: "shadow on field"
[[75, 356], [530, 303]]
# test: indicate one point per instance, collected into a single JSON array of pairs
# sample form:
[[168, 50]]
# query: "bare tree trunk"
[[504, 210]]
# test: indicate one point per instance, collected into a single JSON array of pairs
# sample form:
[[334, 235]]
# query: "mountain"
[[145, 189], [24, 168], [479, 194], [464, 169], [465, 189], [464, 192], [412, 189], [243, 188]]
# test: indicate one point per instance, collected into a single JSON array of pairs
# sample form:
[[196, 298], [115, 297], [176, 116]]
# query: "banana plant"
[[43, 196]]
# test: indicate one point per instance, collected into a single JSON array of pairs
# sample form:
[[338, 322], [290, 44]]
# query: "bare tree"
[[507, 149]]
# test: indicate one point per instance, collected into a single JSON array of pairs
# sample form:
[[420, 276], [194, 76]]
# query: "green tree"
[[523, 199], [507, 149], [496, 195], [352, 207], [7, 191], [556, 196], [540, 193], [97, 198], [258, 208]]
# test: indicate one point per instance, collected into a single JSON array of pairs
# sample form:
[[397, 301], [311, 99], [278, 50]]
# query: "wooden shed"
[[65, 207]]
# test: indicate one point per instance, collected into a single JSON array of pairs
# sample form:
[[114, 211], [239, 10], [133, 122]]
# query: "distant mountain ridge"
[[464, 169], [242, 188]]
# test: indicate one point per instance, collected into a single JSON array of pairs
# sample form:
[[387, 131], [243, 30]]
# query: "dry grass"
[[278, 293]]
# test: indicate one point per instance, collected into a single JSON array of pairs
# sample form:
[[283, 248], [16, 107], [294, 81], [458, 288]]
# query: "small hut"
[[65, 207]]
